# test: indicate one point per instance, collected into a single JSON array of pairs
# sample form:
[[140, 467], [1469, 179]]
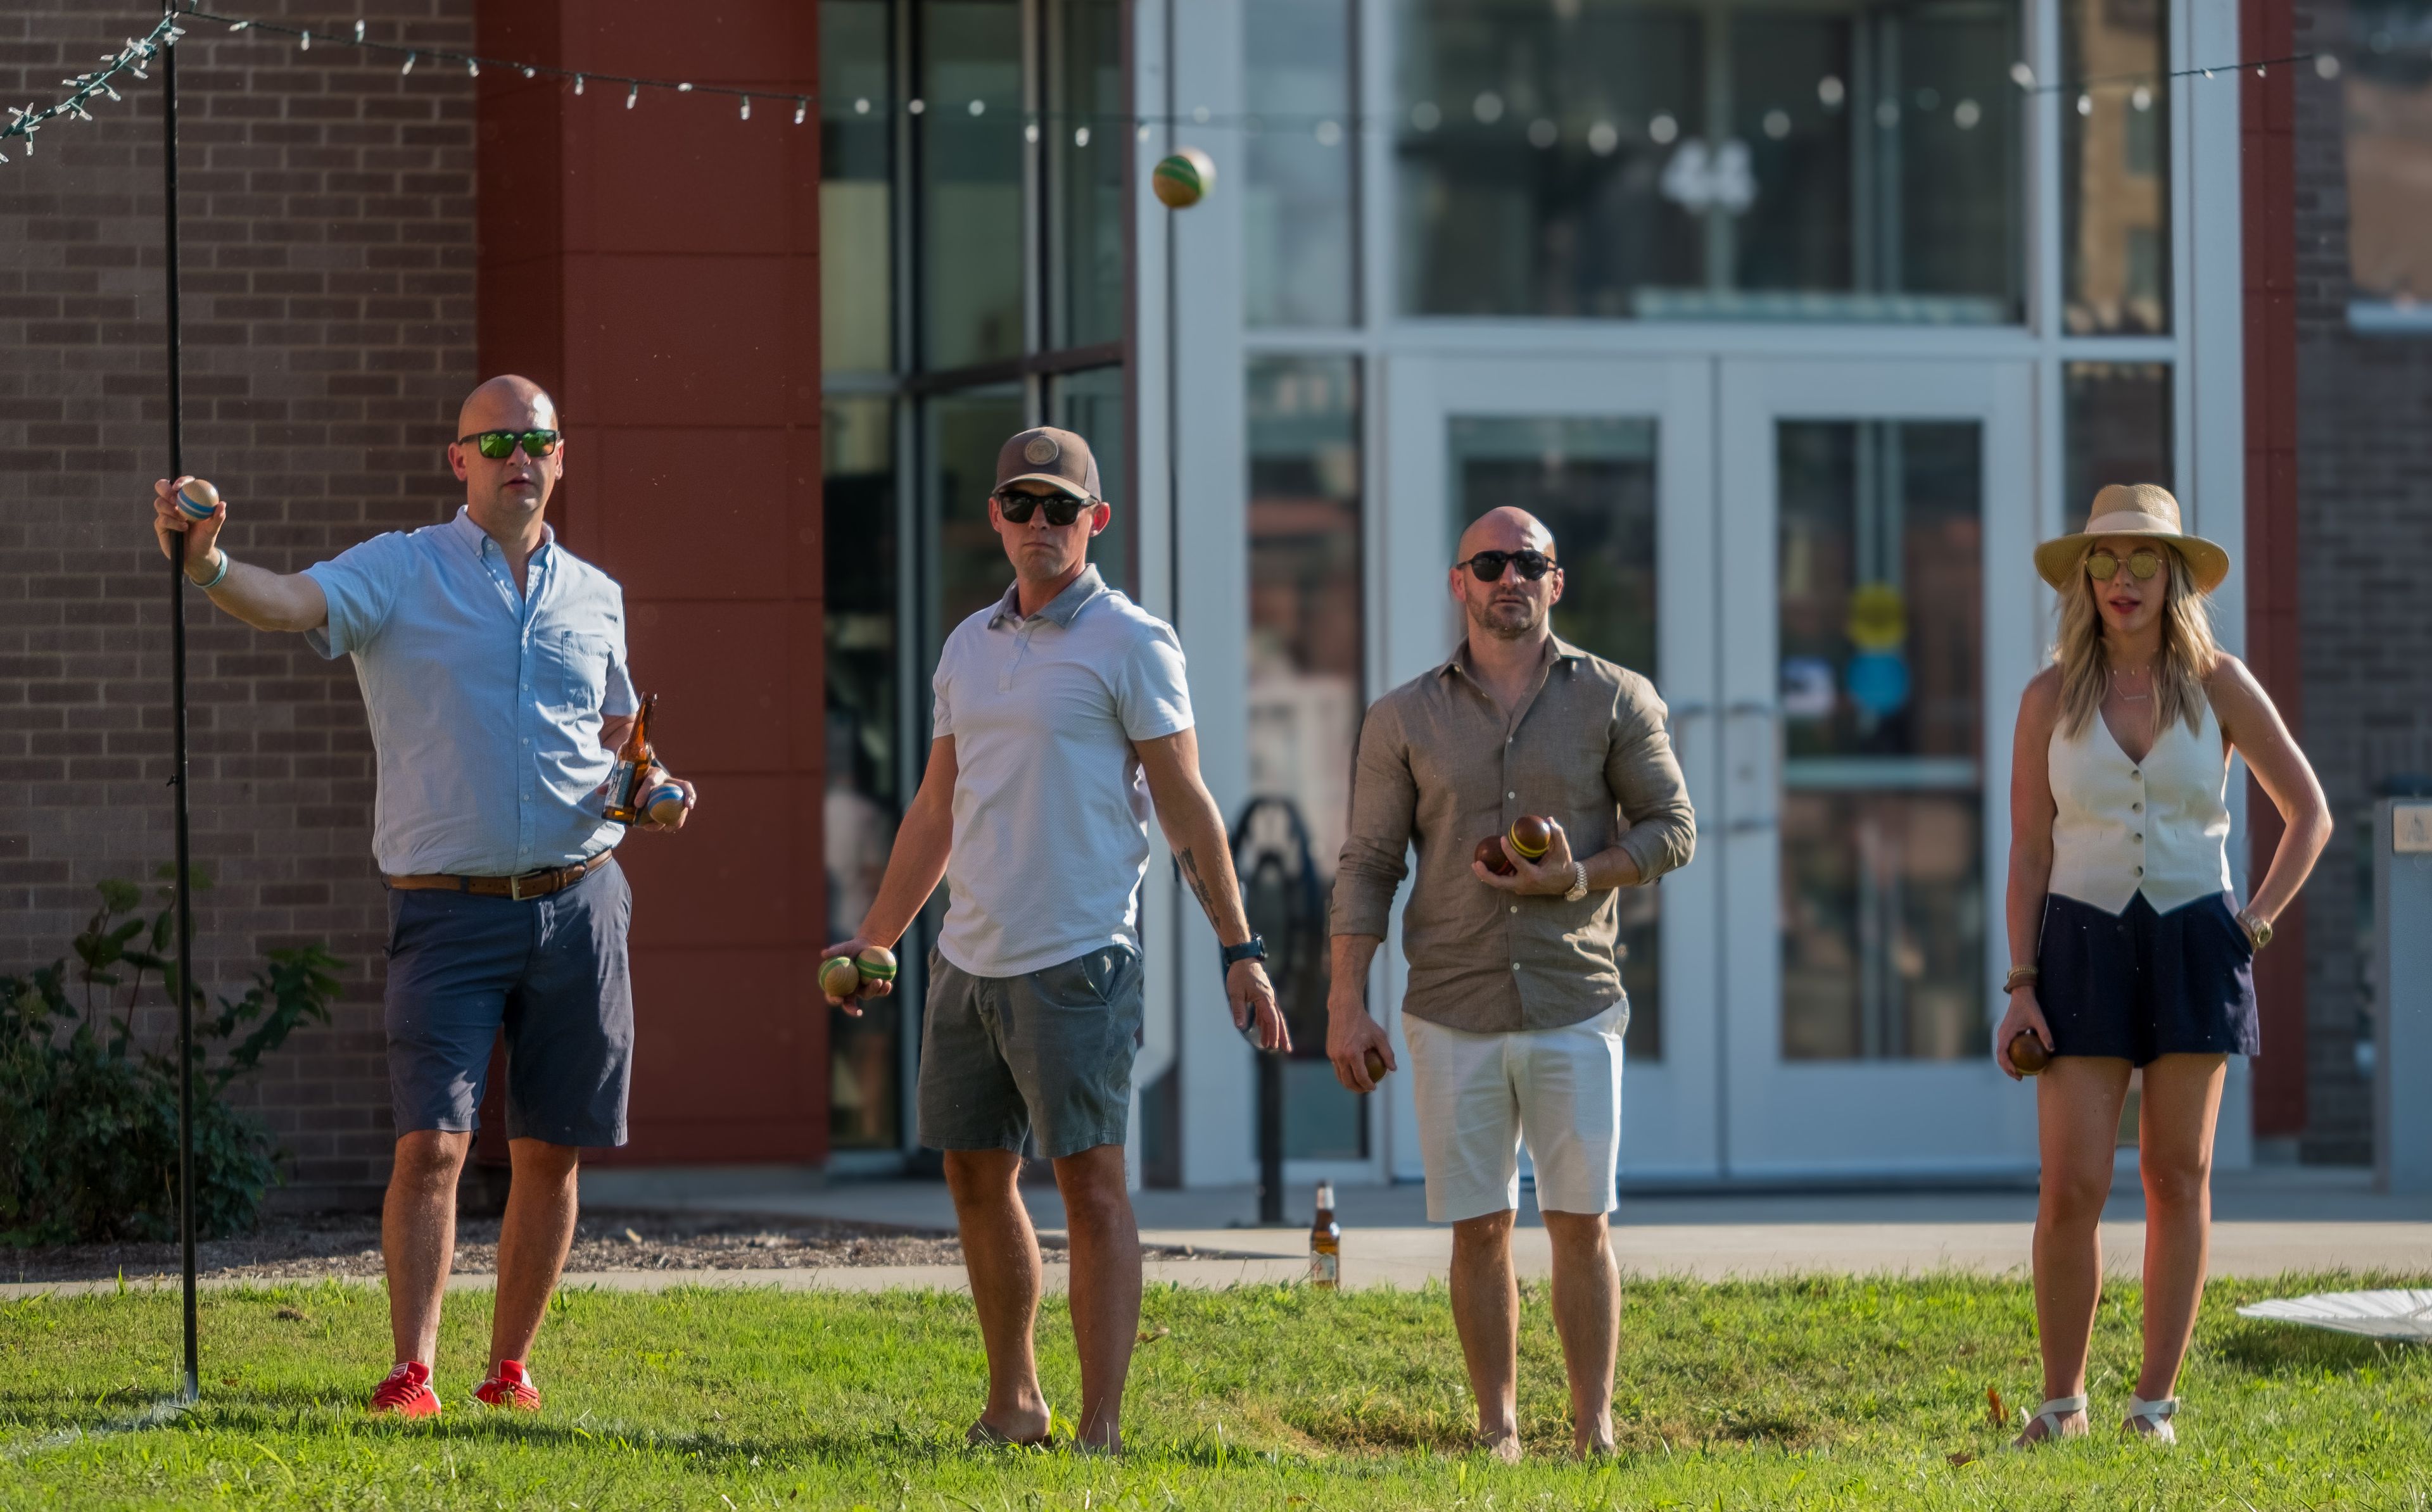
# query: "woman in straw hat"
[[2131, 949]]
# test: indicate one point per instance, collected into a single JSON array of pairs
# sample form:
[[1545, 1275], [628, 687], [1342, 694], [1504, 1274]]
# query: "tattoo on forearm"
[[1191, 870]]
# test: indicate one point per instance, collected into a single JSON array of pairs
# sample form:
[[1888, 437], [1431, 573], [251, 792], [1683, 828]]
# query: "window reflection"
[[971, 150], [963, 434], [1297, 184], [2117, 427], [2387, 95], [2114, 165], [1304, 679], [1592, 482], [1845, 160], [1089, 149], [857, 198], [1091, 404], [1882, 645], [864, 794]]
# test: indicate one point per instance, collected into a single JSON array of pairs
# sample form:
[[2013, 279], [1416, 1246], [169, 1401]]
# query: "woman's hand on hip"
[[2025, 1013]]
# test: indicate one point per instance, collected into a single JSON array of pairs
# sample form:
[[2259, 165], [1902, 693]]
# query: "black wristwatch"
[[1253, 949]]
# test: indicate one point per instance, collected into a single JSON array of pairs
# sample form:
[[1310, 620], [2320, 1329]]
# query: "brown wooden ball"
[[1490, 856], [2028, 1056], [1375, 1065], [838, 977], [1532, 835]]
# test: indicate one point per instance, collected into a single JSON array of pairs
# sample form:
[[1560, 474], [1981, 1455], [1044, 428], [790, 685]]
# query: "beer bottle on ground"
[[1325, 1242], [632, 760]]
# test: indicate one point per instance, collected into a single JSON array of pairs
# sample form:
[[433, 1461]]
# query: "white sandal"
[[2156, 1413], [2049, 1415]]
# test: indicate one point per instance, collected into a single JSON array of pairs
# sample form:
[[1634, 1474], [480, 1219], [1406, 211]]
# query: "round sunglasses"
[[2104, 565], [1487, 566], [499, 445]]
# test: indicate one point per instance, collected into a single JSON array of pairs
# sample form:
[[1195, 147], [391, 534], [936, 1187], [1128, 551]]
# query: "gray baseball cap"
[[1046, 455]]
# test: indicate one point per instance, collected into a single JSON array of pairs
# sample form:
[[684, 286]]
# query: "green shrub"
[[88, 1115]]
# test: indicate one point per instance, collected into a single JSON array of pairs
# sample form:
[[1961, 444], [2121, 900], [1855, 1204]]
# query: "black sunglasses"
[[1487, 566], [499, 445], [1062, 509]]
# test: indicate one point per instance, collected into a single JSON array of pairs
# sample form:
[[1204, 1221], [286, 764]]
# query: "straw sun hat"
[[2134, 509]]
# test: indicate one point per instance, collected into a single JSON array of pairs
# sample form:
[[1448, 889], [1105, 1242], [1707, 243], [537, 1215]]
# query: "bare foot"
[[1023, 1435], [1504, 1445]]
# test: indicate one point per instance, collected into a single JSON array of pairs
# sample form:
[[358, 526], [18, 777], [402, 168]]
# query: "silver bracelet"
[[226, 563]]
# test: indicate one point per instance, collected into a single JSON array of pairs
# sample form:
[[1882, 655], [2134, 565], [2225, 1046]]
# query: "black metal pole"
[[178, 725]]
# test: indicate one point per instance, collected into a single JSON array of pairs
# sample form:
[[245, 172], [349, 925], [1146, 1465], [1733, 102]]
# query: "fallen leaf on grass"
[[1993, 1396], [1151, 1336], [1963, 1457], [295, 1315]]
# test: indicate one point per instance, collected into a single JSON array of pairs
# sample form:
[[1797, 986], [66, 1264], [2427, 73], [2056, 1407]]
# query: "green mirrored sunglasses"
[[2102, 567], [499, 445]]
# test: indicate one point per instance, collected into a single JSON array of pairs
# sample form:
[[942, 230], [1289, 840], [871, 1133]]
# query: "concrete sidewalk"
[[2266, 1222]]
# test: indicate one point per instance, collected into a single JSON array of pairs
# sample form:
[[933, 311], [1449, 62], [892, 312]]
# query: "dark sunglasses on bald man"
[[499, 445], [1487, 566], [1062, 509]]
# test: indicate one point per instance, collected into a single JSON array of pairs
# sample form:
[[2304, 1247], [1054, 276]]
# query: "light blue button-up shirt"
[[485, 704]]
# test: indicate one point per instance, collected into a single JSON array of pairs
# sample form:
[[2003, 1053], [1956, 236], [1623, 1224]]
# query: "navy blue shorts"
[[2136, 984], [549, 973]]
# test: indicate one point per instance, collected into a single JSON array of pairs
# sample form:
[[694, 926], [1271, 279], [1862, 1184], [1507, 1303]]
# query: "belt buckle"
[[516, 889]]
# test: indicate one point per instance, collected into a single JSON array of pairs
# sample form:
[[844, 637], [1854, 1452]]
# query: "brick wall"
[[329, 228], [2364, 467]]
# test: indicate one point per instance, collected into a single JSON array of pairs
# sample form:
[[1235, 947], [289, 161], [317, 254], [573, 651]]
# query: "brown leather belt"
[[530, 884]]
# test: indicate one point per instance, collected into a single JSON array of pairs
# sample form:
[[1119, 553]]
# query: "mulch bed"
[[347, 1244]]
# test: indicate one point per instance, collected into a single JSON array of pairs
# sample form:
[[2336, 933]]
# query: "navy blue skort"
[[2137, 984]]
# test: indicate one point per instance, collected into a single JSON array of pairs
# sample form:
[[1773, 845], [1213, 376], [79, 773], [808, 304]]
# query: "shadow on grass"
[[2258, 1348]]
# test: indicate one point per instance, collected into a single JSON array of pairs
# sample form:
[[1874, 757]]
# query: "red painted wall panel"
[[657, 269], [2268, 200]]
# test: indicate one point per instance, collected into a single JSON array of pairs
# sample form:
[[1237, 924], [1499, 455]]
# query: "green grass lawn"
[[1817, 1393]]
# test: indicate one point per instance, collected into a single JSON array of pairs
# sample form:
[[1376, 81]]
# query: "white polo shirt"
[[1051, 808]]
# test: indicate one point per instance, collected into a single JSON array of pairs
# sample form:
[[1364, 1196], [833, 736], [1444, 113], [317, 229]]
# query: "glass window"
[[2117, 428], [856, 192], [1089, 150], [1304, 703], [1592, 482], [1091, 405], [1882, 650], [2115, 167], [968, 570], [2388, 94], [1852, 160], [1297, 197], [970, 181], [864, 793]]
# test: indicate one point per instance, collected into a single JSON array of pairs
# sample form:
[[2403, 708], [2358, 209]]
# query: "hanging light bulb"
[[304, 40], [577, 83], [801, 109], [409, 65], [683, 89], [359, 33], [531, 72], [472, 68], [632, 92], [1080, 136], [747, 108]]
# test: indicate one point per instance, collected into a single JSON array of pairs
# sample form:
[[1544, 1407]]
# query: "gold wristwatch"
[[2257, 928]]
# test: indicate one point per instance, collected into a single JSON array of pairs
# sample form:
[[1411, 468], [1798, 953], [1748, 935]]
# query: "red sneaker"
[[509, 1385], [407, 1392]]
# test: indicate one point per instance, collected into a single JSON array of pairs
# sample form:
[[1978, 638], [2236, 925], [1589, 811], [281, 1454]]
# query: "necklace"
[[2125, 697]]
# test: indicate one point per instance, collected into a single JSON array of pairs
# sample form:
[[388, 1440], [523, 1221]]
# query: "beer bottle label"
[[1325, 1271]]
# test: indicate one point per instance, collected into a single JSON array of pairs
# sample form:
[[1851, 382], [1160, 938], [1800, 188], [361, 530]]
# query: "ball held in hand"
[[2028, 1056], [1375, 1065], [1490, 856], [196, 501], [1183, 179], [1532, 835], [840, 977], [875, 962], [664, 803]]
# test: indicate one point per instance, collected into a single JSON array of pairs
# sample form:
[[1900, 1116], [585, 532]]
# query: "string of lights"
[[27, 120], [1487, 111]]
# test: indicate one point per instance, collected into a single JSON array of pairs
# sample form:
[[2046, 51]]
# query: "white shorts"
[[1478, 1095]]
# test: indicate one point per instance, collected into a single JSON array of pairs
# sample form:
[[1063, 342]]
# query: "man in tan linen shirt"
[[1514, 1011]]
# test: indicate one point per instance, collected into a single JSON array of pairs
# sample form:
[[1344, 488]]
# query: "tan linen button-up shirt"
[[1441, 769]]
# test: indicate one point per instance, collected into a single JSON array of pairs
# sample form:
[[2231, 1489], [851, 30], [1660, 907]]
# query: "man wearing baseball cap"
[[1062, 720]]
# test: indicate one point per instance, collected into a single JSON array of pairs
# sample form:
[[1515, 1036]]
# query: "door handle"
[[1747, 776]]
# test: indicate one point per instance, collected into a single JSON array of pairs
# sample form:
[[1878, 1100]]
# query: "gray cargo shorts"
[[1049, 1053]]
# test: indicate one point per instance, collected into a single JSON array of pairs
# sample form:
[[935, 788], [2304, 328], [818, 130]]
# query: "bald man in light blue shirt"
[[492, 662]]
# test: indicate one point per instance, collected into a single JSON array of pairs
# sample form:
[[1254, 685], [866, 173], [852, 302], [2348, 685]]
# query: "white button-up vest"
[[2160, 826]]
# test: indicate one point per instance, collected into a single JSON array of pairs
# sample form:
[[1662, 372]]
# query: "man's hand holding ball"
[[192, 508]]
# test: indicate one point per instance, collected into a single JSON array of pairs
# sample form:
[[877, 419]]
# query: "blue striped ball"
[[196, 501]]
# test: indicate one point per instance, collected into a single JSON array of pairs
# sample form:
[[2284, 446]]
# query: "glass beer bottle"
[[632, 760], [1325, 1242]]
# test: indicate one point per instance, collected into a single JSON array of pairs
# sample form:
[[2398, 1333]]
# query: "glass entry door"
[[1616, 457], [1876, 629]]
